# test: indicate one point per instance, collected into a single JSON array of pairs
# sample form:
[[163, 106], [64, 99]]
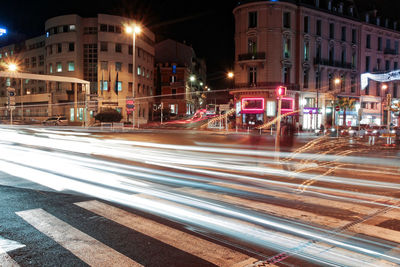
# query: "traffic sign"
[[11, 93], [337, 108]]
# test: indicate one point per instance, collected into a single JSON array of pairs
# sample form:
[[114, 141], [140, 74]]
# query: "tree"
[[109, 115], [345, 103]]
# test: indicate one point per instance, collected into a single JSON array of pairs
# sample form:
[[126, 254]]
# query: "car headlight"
[[333, 129], [393, 131], [374, 131]]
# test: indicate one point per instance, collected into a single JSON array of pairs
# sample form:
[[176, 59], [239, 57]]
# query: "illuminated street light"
[[201, 83], [337, 81], [135, 29], [230, 75], [192, 78], [12, 67], [384, 86]]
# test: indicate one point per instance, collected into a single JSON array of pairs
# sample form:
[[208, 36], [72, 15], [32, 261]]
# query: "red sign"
[[337, 108]]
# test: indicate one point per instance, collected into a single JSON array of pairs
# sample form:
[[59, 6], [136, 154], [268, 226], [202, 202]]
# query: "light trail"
[[68, 163]]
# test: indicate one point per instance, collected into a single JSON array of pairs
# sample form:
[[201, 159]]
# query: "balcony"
[[332, 63], [389, 51], [252, 56], [291, 87], [173, 84]]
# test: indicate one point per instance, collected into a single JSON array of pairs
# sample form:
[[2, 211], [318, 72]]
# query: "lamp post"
[[12, 67], [384, 87], [192, 78], [135, 29], [230, 76]]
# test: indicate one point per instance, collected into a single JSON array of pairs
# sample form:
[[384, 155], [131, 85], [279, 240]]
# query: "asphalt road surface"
[[70, 197]]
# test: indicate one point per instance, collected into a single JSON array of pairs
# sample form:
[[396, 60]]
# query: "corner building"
[[316, 49], [93, 49]]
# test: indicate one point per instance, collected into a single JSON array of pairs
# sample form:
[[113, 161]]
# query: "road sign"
[[337, 108]]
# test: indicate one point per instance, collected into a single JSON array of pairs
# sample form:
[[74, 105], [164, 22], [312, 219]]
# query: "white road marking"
[[7, 245], [201, 248], [304, 216], [86, 248]]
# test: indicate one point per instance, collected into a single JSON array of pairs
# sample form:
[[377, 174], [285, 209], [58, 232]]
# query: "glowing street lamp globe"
[[192, 78], [133, 29], [12, 67], [230, 75]]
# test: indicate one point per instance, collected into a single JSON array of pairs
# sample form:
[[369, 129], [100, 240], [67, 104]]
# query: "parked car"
[[56, 121]]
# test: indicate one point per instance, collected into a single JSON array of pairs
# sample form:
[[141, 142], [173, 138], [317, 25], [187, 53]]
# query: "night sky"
[[207, 25]]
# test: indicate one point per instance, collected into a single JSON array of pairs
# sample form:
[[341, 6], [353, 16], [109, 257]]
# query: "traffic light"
[[281, 91]]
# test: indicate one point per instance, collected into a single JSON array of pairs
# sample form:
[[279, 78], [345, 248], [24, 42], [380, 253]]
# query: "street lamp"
[[12, 67], [134, 30], [230, 76], [384, 87]]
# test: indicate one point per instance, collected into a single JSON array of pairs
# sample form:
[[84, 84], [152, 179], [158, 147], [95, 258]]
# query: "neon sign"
[[287, 105], [253, 105], [3, 31]]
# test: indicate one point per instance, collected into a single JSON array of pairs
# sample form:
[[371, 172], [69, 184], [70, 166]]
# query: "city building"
[[95, 49], [317, 49], [180, 77]]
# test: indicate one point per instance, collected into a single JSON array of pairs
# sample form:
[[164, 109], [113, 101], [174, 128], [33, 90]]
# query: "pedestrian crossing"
[[96, 253]]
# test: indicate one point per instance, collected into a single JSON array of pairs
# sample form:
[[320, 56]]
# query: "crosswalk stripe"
[[201, 248], [86, 248], [6, 260], [304, 216]]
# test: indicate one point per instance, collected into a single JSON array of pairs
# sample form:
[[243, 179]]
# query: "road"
[[189, 198]]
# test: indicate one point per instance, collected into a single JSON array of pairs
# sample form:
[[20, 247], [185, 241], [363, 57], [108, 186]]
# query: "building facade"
[[315, 48], [93, 49], [181, 76]]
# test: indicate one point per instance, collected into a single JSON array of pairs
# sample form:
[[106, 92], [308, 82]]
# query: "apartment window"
[[252, 45], [367, 63], [286, 75], [119, 86], [41, 60], [367, 89], [332, 31], [353, 36], [139, 70], [378, 64], [343, 57], [388, 44], [286, 48], [72, 27], [33, 62], [387, 65], [104, 65], [378, 89], [331, 55], [306, 24], [130, 49], [71, 66], [50, 47], [71, 47], [286, 20], [59, 67], [130, 68], [50, 68], [253, 19], [306, 51], [103, 27], [379, 43], [103, 46], [353, 84], [395, 89], [305, 79], [368, 42], [253, 75], [354, 60], [317, 80], [130, 87], [111, 28], [118, 48], [342, 83], [59, 48], [89, 30], [395, 65], [319, 27], [330, 82], [26, 63], [318, 52], [118, 29], [343, 33], [118, 66]]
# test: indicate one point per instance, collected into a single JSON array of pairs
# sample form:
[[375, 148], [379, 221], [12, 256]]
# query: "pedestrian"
[[322, 129]]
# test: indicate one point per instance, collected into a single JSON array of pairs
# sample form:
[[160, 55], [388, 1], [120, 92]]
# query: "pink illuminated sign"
[[287, 105], [253, 105]]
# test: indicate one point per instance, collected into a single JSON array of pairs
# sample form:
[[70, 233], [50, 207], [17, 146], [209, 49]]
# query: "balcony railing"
[[172, 84], [258, 85], [251, 56], [389, 51], [332, 63]]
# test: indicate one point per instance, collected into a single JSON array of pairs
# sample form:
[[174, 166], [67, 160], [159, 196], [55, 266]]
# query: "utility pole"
[[281, 91]]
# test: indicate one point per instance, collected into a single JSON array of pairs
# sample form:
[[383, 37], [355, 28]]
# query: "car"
[[56, 121]]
